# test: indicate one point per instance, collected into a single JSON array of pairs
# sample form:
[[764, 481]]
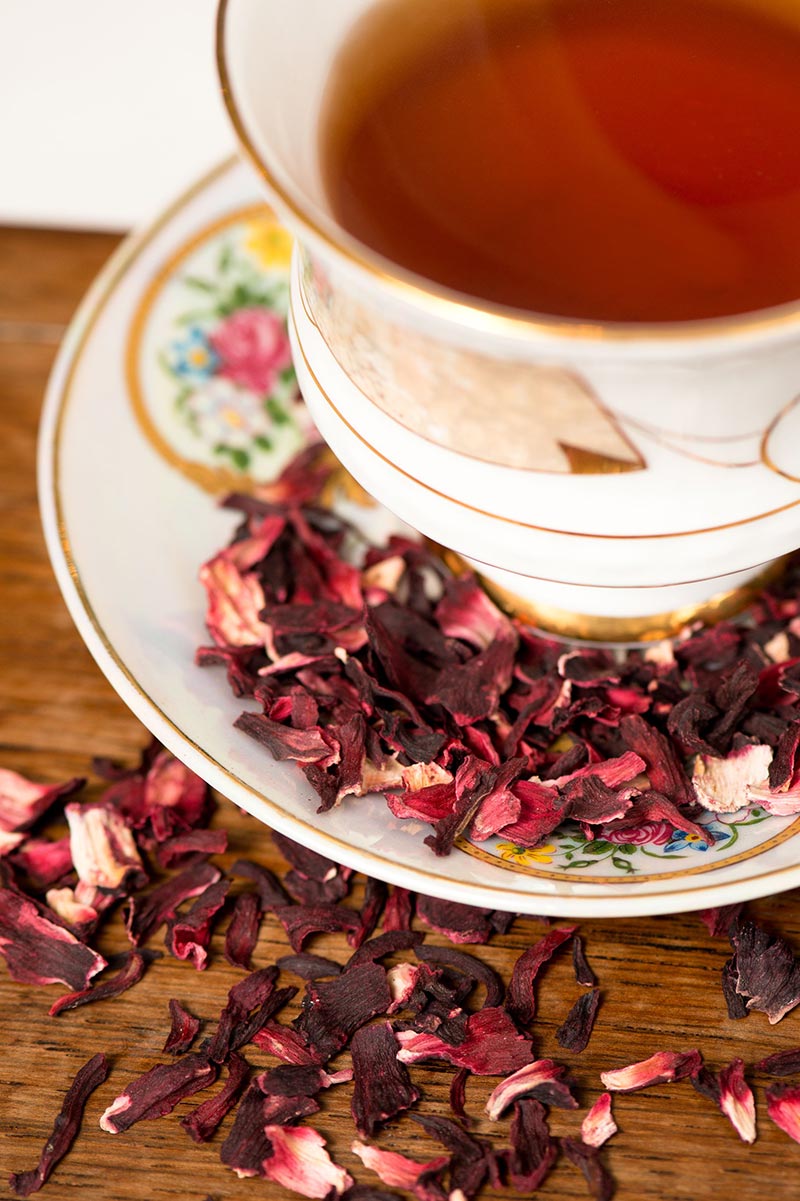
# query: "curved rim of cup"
[[458, 307]]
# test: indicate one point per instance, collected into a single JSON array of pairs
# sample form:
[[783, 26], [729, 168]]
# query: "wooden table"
[[659, 976]]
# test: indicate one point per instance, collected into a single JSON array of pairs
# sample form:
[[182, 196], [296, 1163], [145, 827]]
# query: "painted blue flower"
[[193, 358], [682, 841]]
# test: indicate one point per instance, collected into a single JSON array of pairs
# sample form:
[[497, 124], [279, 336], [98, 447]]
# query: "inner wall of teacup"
[[280, 53]]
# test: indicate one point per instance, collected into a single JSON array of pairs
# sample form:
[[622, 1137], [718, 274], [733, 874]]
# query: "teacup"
[[611, 481]]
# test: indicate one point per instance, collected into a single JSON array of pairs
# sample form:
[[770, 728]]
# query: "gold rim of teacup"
[[464, 310]]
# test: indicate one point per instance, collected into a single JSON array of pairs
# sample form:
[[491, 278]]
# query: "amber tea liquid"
[[621, 160]]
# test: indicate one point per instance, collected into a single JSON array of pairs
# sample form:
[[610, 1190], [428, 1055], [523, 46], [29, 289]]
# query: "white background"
[[107, 108]]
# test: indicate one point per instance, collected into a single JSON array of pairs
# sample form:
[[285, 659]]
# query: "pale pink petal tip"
[[395, 1170], [783, 1106], [599, 1125], [661, 1068], [300, 1162], [736, 1101]]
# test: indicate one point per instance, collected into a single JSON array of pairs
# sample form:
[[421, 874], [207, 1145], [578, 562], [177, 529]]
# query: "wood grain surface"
[[660, 977]]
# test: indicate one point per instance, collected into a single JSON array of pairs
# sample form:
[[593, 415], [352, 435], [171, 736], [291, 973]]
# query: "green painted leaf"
[[199, 285], [598, 847], [581, 863]]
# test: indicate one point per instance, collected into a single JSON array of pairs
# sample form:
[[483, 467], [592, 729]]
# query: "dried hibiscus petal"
[[398, 1171], [521, 999], [783, 1106], [301, 921], [736, 1004], [542, 1079], [399, 910], [334, 1009], [43, 861], [191, 842], [309, 967], [300, 1162], [284, 1043], [721, 921], [383, 1087], [203, 1122], [270, 892], [103, 849], [458, 1094], [22, 802], [459, 923], [472, 1160], [385, 944], [782, 1063], [184, 1030], [492, 1045], [146, 913], [736, 1101], [768, 973], [583, 973], [598, 1126], [134, 965], [38, 951], [65, 1128], [247, 1146], [723, 785], [241, 937], [375, 894], [533, 1150], [575, 1031], [189, 936], [661, 1068], [587, 1159], [158, 1091], [469, 966]]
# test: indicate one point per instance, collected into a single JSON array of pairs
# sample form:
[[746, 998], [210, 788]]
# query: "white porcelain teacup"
[[615, 478]]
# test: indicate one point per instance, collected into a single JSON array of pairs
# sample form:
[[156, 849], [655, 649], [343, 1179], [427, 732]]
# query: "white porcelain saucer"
[[143, 424]]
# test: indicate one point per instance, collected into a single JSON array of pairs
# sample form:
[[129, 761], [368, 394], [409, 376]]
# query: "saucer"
[[141, 431]]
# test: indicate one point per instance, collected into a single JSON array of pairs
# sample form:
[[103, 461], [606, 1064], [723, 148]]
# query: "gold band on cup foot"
[[654, 627]]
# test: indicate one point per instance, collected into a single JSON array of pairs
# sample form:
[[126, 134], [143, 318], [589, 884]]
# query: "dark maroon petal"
[[43, 861], [382, 1086], [476, 785], [722, 921], [459, 923], [255, 989], [203, 1122], [533, 1150], [492, 1045], [543, 1079], [583, 973], [158, 1091], [305, 890], [309, 967], [247, 1146], [502, 921], [301, 921], [375, 894], [472, 1161], [241, 937], [782, 1063], [146, 913], [65, 1127], [663, 767], [767, 970], [237, 1027], [521, 997], [334, 1009], [458, 1094], [284, 742], [269, 889], [185, 1027], [292, 1080], [736, 1004], [782, 767], [38, 951], [706, 1084], [134, 966], [399, 909], [587, 1159], [189, 936], [173, 798], [191, 842], [388, 943], [575, 1031], [283, 1111], [467, 965], [284, 1043]]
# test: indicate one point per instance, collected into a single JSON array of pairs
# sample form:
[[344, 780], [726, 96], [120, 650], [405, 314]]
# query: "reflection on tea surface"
[[630, 160]]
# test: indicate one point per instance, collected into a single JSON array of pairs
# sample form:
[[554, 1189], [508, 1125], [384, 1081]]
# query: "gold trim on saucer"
[[454, 306], [655, 627]]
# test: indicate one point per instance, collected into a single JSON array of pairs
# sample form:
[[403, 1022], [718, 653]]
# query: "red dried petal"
[[43, 861], [598, 1126], [583, 973], [721, 921], [521, 997], [472, 1161], [542, 1079], [385, 944], [469, 966], [284, 742], [492, 1045], [158, 1091], [398, 1171], [399, 910], [736, 1005], [103, 849], [783, 1106], [587, 1159], [247, 1146], [459, 923], [134, 966], [173, 798], [309, 967], [270, 892], [39, 951], [533, 1150], [65, 1128], [575, 1031], [383, 1087], [301, 921], [334, 1009], [189, 936], [662, 765], [767, 972], [234, 603], [204, 1121], [300, 1162], [375, 894], [146, 913], [185, 1027], [191, 842], [736, 1101], [22, 802], [241, 937], [661, 1068], [782, 1063], [285, 1044], [458, 1094]]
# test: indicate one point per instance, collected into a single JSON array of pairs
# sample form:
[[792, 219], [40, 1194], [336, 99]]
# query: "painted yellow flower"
[[524, 856], [269, 242]]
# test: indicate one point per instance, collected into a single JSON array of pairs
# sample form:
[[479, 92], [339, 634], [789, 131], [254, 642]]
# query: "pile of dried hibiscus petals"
[[379, 670], [152, 822]]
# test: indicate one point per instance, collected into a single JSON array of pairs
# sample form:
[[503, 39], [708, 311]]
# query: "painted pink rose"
[[253, 347], [654, 833]]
